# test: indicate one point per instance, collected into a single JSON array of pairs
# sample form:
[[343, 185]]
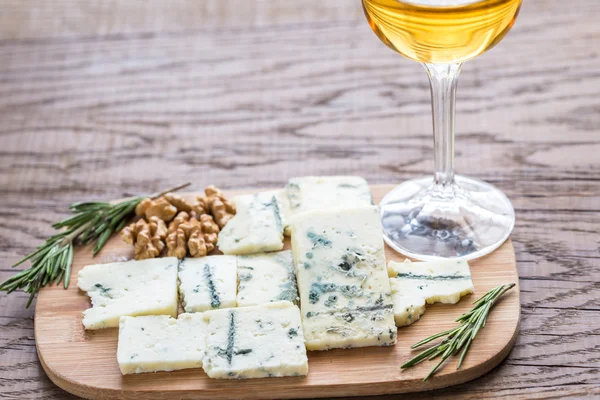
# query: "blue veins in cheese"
[[132, 288], [160, 343], [265, 278], [207, 283], [345, 293], [255, 342], [416, 283], [257, 226], [323, 193]]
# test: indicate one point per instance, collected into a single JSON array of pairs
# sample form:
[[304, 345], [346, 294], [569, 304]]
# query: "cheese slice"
[[344, 289], [255, 342], [146, 287], [207, 283], [264, 278], [416, 283], [160, 343], [324, 193], [257, 226]]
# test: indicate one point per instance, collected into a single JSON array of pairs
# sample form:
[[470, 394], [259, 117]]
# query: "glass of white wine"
[[447, 215]]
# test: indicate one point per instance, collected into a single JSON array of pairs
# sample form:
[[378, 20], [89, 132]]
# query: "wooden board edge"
[[63, 383]]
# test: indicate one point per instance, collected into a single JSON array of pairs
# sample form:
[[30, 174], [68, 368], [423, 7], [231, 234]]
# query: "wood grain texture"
[[103, 98], [84, 362]]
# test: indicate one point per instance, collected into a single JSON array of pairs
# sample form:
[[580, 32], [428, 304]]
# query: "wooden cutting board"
[[84, 362]]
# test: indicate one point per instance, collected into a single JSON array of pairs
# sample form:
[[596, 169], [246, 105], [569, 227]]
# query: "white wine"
[[441, 31]]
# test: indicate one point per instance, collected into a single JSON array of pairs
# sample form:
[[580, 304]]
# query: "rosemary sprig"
[[92, 222], [461, 336]]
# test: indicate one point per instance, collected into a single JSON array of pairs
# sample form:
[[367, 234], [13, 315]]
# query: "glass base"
[[465, 220]]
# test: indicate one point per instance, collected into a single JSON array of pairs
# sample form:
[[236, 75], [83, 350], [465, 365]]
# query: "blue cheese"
[[264, 278], [414, 284], [255, 342], [344, 288], [207, 283], [257, 226], [324, 193], [160, 343], [409, 305], [146, 287]]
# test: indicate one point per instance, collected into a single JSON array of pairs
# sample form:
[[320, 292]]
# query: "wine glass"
[[447, 215]]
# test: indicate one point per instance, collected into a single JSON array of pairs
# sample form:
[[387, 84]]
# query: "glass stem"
[[443, 79]]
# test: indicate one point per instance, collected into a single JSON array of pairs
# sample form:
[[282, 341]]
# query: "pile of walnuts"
[[182, 228]]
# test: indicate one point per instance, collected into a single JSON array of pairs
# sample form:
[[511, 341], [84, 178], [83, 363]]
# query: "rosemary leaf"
[[102, 239], [59, 277], [434, 369], [422, 356], [67, 267], [439, 351], [464, 352], [429, 339]]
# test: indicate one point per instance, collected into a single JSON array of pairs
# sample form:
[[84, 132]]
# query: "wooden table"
[[101, 99]]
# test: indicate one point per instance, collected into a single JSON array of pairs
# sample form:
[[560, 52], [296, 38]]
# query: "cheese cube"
[[146, 287], [207, 283], [257, 226], [415, 283], [265, 278], [325, 192], [255, 342], [344, 289], [160, 343]]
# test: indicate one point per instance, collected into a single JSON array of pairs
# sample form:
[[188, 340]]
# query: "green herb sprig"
[[460, 337], [93, 222]]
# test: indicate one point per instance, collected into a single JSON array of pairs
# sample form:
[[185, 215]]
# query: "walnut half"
[[215, 203], [165, 207], [147, 238], [188, 233]]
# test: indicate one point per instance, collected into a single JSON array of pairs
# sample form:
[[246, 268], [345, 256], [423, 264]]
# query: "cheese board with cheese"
[[335, 316]]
